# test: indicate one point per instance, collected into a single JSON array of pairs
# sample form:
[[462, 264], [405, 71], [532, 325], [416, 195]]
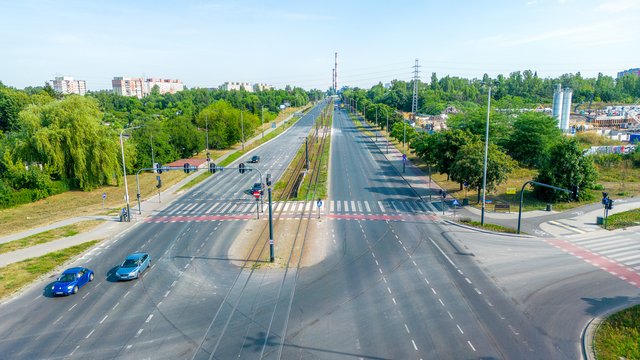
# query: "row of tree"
[[516, 91], [51, 143]]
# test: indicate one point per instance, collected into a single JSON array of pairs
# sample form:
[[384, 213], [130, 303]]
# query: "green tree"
[[67, 138], [532, 136], [565, 167], [468, 166]]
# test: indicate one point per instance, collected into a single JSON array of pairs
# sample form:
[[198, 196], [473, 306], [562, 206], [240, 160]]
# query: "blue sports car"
[[133, 266], [71, 280]]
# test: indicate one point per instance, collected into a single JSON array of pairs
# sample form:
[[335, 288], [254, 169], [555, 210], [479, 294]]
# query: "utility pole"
[[486, 153], [416, 80]]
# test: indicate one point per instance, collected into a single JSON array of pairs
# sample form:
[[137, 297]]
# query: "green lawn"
[[15, 276], [618, 337]]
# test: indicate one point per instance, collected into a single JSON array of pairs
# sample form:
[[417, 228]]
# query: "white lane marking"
[[74, 350], [394, 301], [58, 319], [104, 318], [407, 328], [478, 291], [468, 281], [380, 270], [384, 279], [443, 254], [441, 303], [389, 290], [372, 254], [186, 266], [71, 308], [414, 263], [434, 291], [451, 316], [461, 332], [127, 293], [167, 293], [420, 271], [86, 337], [405, 249], [149, 318], [174, 283], [460, 272], [115, 306], [414, 344], [139, 332], [377, 262], [160, 303], [472, 348], [87, 294], [427, 281]]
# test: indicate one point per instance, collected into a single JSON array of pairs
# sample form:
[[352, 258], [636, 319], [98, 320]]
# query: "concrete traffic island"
[[286, 244]]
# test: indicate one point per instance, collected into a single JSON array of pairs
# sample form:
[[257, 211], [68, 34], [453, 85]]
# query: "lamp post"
[[206, 126], [387, 113], [242, 127], [124, 172], [486, 153], [262, 120]]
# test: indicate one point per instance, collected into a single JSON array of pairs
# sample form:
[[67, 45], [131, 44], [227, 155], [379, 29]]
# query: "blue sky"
[[205, 43]]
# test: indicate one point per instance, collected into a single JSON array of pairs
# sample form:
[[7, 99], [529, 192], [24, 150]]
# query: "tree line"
[[50, 143], [517, 139]]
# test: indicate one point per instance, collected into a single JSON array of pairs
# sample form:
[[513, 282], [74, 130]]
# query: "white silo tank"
[[566, 109], [556, 109]]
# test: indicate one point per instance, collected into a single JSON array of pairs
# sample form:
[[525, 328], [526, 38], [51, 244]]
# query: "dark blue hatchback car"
[[71, 280], [133, 266]]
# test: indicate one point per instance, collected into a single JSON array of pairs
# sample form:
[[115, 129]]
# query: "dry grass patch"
[[16, 276], [49, 235]]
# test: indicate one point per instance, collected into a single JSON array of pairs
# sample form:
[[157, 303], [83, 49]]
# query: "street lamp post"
[[124, 172], [387, 113], [486, 153], [242, 127], [262, 121]]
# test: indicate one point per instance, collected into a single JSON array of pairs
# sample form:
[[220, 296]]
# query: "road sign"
[[319, 203], [104, 196], [455, 202], [511, 191], [256, 193], [404, 157]]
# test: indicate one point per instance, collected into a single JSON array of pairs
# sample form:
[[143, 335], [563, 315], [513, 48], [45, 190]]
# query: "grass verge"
[[618, 336], [623, 219], [490, 227], [16, 276], [49, 235]]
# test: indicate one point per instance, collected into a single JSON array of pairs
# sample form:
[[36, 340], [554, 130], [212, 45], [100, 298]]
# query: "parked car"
[[257, 187], [133, 266], [71, 280], [255, 159]]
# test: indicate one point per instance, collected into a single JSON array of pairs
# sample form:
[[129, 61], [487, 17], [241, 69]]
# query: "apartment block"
[[140, 87], [67, 85]]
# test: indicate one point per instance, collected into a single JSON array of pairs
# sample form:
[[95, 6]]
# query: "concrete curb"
[[589, 331]]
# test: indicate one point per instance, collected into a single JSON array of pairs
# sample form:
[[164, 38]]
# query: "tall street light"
[[242, 127], [124, 172], [262, 120], [486, 153]]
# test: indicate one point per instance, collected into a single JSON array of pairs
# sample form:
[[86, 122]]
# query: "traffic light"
[[609, 204], [605, 197], [241, 168], [212, 168], [268, 179], [187, 168], [575, 192], [158, 168]]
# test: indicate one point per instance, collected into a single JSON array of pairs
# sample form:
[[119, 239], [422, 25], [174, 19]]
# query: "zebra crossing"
[[238, 207], [622, 248]]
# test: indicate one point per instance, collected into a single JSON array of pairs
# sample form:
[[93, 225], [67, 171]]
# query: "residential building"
[[262, 87], [635, 71], [139, 87], [232, 85], [66, 85]]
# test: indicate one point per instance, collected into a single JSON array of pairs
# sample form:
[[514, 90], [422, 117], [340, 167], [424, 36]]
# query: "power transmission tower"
[[416, 79]]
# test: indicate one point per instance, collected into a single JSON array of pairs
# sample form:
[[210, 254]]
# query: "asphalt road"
[[406, 286], [168, 313], [394, 289]]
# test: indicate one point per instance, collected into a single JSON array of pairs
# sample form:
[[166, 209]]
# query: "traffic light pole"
[[539, 184]]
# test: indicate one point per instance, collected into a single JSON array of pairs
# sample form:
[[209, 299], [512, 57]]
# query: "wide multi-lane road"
[[396, 282], [169, 312]]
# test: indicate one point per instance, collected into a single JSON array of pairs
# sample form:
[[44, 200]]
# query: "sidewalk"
[[430, 193], [112, 226]]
